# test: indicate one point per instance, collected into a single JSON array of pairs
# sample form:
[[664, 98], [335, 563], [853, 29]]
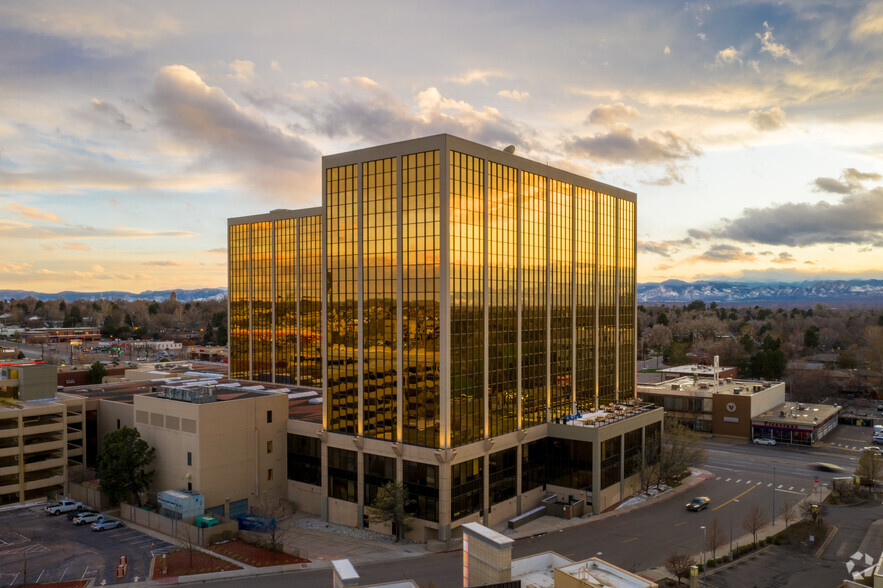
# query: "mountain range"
[[156, 295], [669, 292], [832, 292]]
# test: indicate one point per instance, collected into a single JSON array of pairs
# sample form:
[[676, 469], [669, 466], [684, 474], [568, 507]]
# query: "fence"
[[89, 494], [181, 529]]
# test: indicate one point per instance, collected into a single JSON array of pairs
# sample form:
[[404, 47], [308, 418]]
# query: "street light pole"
[[704, 542], [731, 531]]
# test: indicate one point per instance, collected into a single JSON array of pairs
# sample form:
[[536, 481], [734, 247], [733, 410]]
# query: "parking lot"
[[849, 438], [39, 548]]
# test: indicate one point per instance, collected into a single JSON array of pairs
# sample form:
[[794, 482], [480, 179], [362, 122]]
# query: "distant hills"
[[157, 295], [849, 292]]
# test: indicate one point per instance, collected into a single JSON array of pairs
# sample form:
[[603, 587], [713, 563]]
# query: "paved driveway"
[[40, 548]]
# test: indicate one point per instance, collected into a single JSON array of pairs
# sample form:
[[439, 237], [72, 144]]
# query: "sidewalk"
[[321, 548], [550, 524], [659, 573]]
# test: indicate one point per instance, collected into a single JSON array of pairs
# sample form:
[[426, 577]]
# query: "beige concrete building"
[[41, 445], [725, 408], [225, 442], [27, 380]]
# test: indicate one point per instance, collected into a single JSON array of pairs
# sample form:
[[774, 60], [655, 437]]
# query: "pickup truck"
[[65, 505]]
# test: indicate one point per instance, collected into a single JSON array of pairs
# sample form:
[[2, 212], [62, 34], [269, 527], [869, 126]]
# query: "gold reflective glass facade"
[[379, 265], [584, 293], [627, 294], [534, 264], [502, 340], [421, 322], [310, 314], [342, 351], [286, 274], [467, 298], [261, 302], [607, 298], [238, 292], [535, 272], [272, 262], [561, 295]]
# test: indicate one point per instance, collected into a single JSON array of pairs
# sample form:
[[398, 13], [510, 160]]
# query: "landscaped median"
[[188, 562], [253, 555]]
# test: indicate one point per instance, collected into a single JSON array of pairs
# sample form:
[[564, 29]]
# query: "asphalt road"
[[643, 538]]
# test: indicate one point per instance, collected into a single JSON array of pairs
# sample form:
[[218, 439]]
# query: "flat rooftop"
[[798, 413], [690, 386], [608, 414], [300, 406], [694, 368]]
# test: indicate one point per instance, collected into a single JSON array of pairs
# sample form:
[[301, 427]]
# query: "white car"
[[764, 441], [64, 505], [873, 449]]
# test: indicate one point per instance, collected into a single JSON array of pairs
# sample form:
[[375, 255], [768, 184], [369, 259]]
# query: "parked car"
[[105, 523], [63, 505], [825, 467], [880, 407], [878, 439], [764, 441], [87, 517], [699, 503], [873, 449], [82, 508]]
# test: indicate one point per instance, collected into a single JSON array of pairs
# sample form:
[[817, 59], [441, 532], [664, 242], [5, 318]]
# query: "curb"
[[696, 477]]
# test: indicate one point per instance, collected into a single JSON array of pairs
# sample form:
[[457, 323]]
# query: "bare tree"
[[869, 466], [680, 451], [788, 513], [678, 565], [279, 509], [714, 538], [754, 520]]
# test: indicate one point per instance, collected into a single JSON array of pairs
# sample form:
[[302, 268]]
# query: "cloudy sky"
[[129, 132]]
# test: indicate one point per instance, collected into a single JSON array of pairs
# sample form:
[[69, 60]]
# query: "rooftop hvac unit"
[[675, 386], [737, 390]]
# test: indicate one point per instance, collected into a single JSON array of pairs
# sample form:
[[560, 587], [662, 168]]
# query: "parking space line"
[[84, 573], [748, 482], [739, 480], [629, 540], [728, 479]]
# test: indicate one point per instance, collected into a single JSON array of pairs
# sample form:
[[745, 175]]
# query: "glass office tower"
[[472, 293], [456, 303], [275, 296]]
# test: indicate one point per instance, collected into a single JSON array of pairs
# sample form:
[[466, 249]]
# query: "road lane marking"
[[790, 491], [748, 482], [734, 498], [790, 487], [780, 485], [759, 483], [739, 480], [681, 523], [770, 484], [728, 479], [632, 539]]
